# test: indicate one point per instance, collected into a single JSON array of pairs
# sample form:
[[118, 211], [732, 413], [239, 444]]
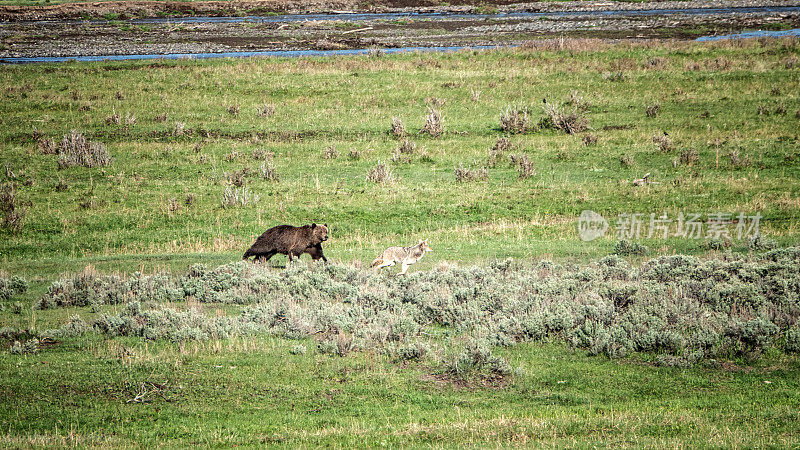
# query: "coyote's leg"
[[386, 264], [405, 268]]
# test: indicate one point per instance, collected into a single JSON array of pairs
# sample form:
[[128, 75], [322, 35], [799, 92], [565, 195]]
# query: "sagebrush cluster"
[[678, 306]]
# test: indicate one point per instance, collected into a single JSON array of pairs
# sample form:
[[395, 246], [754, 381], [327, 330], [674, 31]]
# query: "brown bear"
[[289, 240]]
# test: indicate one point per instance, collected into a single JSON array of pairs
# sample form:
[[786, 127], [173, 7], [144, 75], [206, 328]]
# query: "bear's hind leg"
[[264, 257]]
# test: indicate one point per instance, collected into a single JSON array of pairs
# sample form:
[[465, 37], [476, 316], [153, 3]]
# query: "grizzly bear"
[[289, 240]]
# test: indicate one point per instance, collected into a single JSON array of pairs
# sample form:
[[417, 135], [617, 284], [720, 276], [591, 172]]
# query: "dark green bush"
[[625, 248], [11, 286]]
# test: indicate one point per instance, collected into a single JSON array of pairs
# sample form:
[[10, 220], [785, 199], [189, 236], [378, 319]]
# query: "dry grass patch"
[[515, 120], [433, 123], [568, 121], [464, 174], [380, 173], [76, 150]]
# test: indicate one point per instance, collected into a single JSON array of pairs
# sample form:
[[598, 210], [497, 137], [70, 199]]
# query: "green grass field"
[[710, 97], [731, 112], [255, 393]]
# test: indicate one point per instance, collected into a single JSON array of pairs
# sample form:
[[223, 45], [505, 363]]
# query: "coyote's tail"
[[377, 262]]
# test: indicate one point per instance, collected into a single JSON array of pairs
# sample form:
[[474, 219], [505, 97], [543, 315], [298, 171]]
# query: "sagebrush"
[[678, 307]]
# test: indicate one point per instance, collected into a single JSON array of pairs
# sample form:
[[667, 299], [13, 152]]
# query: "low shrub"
[[11, 286], [476, 359], [30, 346], [569, 121], [679, 308], [652, 110], [625, 248], [515, 120]]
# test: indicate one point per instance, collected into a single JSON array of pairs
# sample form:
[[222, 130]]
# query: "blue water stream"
[[391, 16]]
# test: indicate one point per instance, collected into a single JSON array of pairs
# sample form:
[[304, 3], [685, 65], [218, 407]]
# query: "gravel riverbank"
[[608, 20]]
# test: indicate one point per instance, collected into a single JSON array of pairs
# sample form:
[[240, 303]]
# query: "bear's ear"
[[313, 225], [326, 225]]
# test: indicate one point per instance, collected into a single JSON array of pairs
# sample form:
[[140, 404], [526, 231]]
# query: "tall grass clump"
[[397, 130], [466, 174], [380, 173], [516, 121], [238, 196], [525, 167], [569, 121], [268, 172], [12, 209], [76, 150], [433, 123]]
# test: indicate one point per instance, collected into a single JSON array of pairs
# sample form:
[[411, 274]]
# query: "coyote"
[[404, 255]]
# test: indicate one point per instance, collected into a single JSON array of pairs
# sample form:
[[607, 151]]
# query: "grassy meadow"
[[715, 124], [197, 125]]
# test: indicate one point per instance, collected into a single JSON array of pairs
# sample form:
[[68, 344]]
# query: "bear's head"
[[320, 232]]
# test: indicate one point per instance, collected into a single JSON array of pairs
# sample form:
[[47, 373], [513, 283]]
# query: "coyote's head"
[[424, 246]]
